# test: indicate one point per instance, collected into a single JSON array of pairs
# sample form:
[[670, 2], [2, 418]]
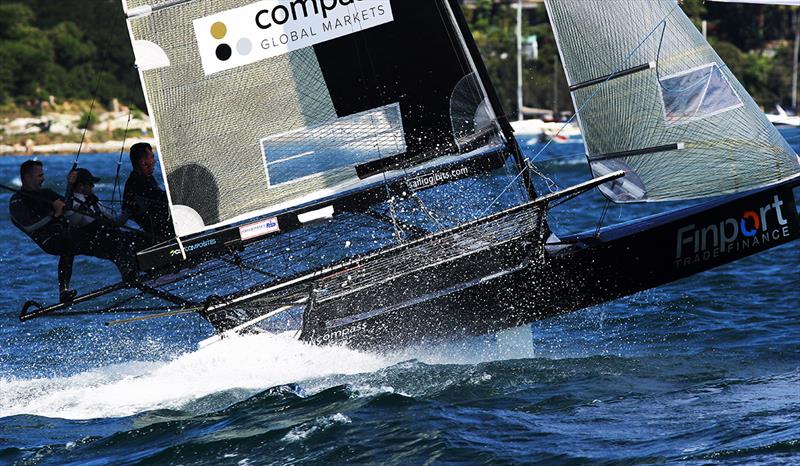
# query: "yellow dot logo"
[[218, 30]]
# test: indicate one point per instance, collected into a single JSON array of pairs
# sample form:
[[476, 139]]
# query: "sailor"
[[86, 207], [96, 228], [39, 213], [143, 199]]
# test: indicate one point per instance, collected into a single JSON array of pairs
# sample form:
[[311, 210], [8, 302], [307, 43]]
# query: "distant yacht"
[[782, 119]]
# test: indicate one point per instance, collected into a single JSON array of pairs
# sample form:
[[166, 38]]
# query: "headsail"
[[655, 100], [262, 105]]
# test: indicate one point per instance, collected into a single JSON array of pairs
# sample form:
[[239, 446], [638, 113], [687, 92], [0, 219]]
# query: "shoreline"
[[71, 148]]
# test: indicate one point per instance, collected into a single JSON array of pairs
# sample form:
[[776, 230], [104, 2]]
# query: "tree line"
[[755, 41], [76, 49]]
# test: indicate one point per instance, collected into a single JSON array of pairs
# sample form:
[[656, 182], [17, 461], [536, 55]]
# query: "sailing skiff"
[[343, 169]]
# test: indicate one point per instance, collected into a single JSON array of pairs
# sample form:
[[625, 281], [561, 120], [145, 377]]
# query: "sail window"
[[470, 113], [696, 94], [344, 142]]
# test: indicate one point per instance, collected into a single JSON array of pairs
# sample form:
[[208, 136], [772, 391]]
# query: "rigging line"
[[602, 219], [35, 197], [117, 304], [130, 310], [68, 193], [239, 262], [414, 195], [551, 185], [86, 125], [427, 212], [97, 217], [390, 200], [508, 186], [600, 86], [119, 163], [564, 200], [156, 316]]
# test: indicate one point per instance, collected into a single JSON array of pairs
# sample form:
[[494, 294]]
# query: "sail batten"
[[616, 75], [689, 95], [635, 152]]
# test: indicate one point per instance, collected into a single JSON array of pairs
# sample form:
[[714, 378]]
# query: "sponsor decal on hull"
[[342, 335], [196, 247], [261, 228], [749, 226], [430, 180]]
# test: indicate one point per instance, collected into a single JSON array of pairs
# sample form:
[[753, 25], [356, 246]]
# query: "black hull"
[[576, 273], [515, 285]]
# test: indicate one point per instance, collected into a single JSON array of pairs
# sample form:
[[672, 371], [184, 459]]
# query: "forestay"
[[655, 100], [261, 106]]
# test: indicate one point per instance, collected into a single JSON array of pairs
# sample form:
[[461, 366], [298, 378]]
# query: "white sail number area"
[[270, 28]]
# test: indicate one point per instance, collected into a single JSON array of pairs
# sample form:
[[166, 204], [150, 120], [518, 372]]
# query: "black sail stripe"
[[634, 152], [609, 77]]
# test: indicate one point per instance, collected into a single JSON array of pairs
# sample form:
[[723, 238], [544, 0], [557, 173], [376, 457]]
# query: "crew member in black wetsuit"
[[143, 199], [39, 213]]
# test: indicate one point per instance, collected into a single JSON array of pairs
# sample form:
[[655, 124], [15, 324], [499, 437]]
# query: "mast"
[[796, 23], [520, 103]]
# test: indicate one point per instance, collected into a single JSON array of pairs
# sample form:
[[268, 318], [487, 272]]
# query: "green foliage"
[[739, 33], [15, 19], [64, 48], [70, 45], [87, 120]]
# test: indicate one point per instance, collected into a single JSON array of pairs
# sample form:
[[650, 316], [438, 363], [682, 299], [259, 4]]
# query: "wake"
[[251, 363]]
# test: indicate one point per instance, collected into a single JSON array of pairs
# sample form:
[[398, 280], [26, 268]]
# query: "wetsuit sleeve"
[[109, 214], [130, 195], [24, 218]]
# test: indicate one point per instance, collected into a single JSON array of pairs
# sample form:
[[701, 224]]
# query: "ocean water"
[[702, 371]]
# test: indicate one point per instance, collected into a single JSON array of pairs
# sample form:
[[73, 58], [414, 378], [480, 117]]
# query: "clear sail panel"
[[654, 99]]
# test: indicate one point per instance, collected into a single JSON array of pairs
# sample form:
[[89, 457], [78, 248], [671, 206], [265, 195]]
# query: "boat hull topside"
[[518, 281]]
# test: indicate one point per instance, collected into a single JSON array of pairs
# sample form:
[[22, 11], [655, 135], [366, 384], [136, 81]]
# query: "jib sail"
[[262, 105], [655, 100]]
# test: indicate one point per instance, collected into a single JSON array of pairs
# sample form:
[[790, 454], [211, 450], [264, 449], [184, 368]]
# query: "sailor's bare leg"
[[64, 277]]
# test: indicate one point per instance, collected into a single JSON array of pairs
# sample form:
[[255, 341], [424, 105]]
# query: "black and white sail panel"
[[655, 100], [259, 106]]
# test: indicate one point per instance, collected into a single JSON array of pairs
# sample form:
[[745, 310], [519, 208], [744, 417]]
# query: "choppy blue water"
[[702, 371]]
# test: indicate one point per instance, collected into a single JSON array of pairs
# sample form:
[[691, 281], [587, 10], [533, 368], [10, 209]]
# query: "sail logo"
[[753, 228], [257, 229], [271, 28], [342, 335], [194, 247], [430, 180]]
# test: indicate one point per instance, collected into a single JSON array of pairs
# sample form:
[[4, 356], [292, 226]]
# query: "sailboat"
[[534, 130], [782, 119], [344, 171]]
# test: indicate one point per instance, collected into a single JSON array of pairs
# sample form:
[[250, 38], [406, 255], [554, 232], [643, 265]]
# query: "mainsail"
[[655, 100], [264, 105]]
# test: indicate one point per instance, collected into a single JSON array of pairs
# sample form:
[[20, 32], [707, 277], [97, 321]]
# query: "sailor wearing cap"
[[46, 218], [95, 228], [86, 206]]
